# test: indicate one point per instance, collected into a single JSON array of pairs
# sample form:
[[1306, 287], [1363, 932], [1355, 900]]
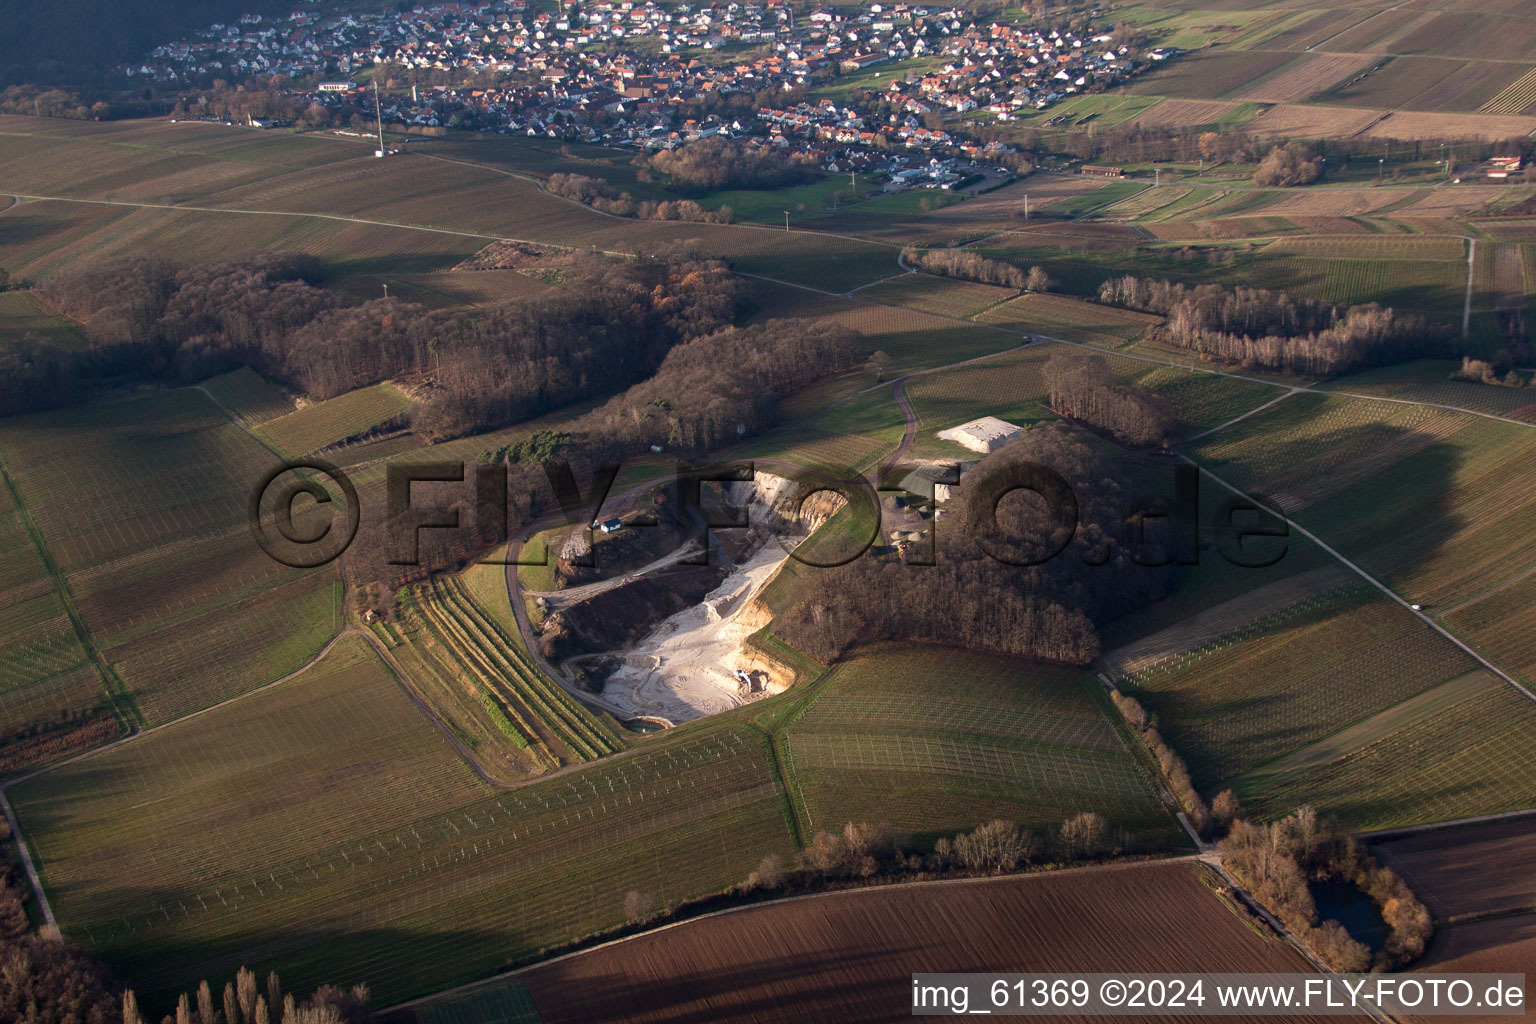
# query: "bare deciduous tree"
[[1083, 834]]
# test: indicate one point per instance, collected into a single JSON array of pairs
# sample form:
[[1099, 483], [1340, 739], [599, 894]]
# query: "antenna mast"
[[378, 113]]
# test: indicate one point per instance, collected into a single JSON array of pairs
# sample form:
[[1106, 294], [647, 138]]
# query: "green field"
[[363, 826], [1244, 699], [919, 341], [471, 648], [1203, 401], [1468, 759], [1010, 386], [1059, 316], [1434, 502], [23, 317], [1429, 380], [45, 672], [800, 201], [851, 436], [941, 296], [141, 506], [247, 397], [326, 423], [927, 740]]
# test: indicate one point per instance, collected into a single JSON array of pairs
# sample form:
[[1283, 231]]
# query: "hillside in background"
[[77, 42]]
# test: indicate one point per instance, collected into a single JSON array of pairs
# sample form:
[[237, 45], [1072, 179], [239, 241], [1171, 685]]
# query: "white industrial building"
[[987, 434]]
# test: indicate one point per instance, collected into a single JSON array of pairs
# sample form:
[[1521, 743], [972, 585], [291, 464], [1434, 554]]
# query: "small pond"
[[1342, 902]]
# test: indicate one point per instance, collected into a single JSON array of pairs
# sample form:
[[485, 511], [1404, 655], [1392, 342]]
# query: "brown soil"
[[850, 956], [1478, 870]]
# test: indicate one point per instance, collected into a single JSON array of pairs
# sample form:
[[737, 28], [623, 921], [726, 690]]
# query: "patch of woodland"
[[1485, 371], [1278, 861], [1260, 329], [1289, 166], [1012, 574], [1082, 388], [716, 163], [147, 320], [971, 266], [708, 392]]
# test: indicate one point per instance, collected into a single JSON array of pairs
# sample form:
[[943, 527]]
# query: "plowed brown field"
[[849, 957], [1478, 870]]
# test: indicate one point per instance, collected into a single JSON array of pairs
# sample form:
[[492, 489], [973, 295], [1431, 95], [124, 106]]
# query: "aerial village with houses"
[[626, 73]]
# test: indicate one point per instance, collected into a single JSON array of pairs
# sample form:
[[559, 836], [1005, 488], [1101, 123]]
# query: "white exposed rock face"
[[682, 670], [771, 500]]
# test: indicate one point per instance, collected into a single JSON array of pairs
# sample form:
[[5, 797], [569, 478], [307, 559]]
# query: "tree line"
[[244, 1001], [1081, 387], [1175, 771], [971, 597], [971, 266], [1141, 144], [609, 327], [603, 197], [860, 851], [1258, 328]]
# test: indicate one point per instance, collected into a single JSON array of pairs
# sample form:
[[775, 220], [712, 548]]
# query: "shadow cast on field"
[[395, 962], [1397, 500], [18, 225], [1393, 511]]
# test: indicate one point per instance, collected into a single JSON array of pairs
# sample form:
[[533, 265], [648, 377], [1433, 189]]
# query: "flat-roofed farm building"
[[986, 434]]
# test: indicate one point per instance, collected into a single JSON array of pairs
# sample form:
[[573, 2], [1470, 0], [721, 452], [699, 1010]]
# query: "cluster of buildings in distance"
[[619, 71]]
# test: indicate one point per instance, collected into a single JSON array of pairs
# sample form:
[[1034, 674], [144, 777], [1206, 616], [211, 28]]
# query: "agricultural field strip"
[[1372, 580], [1478, 754], [137, 733], [319, 216], [763, 277], [537, 183], [831, 712], [1303, 703], [608, 793], [61, 588], [1053, 769], [24, 847]]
